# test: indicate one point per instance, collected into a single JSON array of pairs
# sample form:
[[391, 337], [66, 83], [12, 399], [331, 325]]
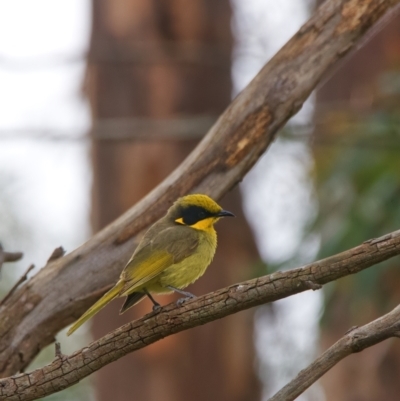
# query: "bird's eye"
[[192, 214]]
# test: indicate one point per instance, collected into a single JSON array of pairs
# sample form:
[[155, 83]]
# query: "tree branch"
[[9, 256], [68, 370], [23, 278], [355, 340], [64, 288], [57, 253]]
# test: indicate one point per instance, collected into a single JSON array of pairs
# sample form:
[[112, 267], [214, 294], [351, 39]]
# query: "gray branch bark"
[[65, 287], [68, 370]]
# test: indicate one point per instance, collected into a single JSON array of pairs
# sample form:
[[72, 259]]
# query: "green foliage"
[[358, 187]]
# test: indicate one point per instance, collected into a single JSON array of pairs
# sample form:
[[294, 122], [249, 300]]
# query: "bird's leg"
[[156, 305], [188, 295], [185, 293]]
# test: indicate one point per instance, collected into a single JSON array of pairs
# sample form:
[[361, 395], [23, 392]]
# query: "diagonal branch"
[[354, 341], [68, 370], [64, 288]]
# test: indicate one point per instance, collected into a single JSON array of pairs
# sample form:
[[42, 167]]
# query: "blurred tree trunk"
[[358, 87], [167, 59]]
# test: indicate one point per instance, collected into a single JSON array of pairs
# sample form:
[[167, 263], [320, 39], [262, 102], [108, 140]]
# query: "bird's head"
[[197, 211]]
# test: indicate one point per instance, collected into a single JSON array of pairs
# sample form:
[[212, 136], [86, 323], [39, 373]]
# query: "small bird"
[[175, 251]]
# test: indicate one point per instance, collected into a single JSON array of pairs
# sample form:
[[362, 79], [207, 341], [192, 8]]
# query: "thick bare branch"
[[68, 370], [354, 341], [62, 290]]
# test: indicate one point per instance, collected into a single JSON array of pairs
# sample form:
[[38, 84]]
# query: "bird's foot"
[[157, 308], [181, 301]]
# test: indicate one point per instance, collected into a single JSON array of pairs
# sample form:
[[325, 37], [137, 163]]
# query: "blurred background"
[[101, 100]]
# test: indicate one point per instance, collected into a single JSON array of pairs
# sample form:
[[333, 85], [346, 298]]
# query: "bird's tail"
[[103, 301]]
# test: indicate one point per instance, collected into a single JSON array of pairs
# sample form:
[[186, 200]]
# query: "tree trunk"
[[152, 60]]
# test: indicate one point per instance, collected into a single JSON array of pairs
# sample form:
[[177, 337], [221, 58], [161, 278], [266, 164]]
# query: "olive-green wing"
[[170, 246]]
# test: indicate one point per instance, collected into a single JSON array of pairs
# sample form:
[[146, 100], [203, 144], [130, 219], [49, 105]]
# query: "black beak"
[[225, 213]]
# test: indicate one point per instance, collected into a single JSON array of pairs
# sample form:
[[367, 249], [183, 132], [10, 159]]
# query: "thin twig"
[[12, 256], [9, 256], [57, 351], [23, 278], [355, 340]]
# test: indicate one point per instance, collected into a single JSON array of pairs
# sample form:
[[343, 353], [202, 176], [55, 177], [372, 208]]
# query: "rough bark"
[[62, 290], [68, 370]]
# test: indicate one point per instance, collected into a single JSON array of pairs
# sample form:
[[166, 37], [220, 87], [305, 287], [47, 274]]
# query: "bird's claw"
[[157, 308], [181, 301]]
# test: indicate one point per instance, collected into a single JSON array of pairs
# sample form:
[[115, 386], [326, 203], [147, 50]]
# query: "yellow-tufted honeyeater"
[[174, 252]]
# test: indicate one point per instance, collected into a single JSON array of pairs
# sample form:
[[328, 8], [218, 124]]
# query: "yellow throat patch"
[[204, 224]]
